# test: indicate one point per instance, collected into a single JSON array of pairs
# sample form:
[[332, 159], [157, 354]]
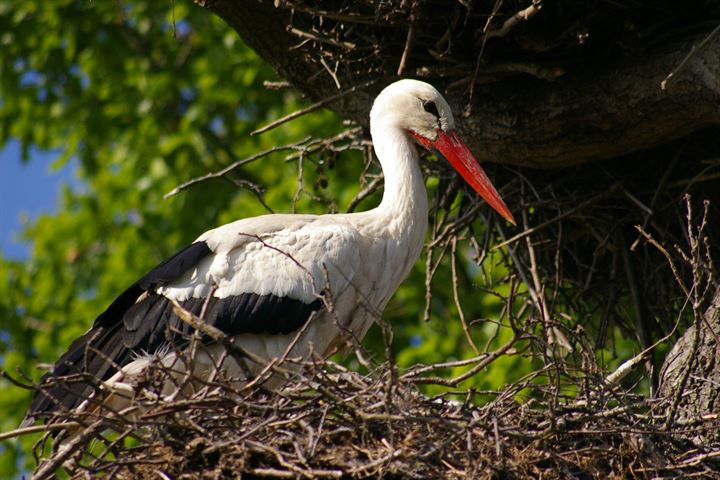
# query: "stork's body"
[[266, 276]]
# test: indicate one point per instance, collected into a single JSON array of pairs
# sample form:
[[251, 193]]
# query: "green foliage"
[[145, 102]]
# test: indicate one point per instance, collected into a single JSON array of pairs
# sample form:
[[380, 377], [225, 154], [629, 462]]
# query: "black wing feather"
[[169, 270], [141, 321]]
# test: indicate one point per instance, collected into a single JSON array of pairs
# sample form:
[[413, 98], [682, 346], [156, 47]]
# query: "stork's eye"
[[430, 107]]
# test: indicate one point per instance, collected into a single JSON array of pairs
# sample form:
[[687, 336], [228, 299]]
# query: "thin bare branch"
[[311, 108], [694, 50]]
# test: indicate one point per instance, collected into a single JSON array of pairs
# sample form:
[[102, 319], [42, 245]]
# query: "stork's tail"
[[77, 375]]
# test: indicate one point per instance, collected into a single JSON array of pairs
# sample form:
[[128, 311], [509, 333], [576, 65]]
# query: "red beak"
[[451, 146]]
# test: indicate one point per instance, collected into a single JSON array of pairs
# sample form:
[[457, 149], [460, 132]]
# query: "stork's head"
[[419, 109]]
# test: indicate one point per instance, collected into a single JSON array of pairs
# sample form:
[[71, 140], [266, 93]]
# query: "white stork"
[[265, 276]]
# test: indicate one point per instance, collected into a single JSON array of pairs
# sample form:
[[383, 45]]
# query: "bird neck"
[[404, 205]]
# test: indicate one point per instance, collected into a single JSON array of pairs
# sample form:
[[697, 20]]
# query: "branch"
[[234, 165], [695, 49], [315, 106], [522, 16], [599, 109]]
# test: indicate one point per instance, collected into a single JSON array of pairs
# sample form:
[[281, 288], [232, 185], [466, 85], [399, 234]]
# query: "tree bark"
[[690, 376], [593, 112]]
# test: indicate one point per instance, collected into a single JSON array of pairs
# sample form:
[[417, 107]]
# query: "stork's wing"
[[246, 282]]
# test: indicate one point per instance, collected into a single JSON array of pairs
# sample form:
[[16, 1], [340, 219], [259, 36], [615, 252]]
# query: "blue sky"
[[27, 190]]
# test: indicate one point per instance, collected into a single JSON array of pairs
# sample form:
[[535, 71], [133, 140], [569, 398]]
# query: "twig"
[[233, 166], [317, 38], [456, 296], [278, 85], [312, 108], [522, 16], [343, 17], [331, 72], [454, 382], [694, 50], [18, 432], [217, 335], [68, 448], [649, 238], [371, 188], [556, 219], [409, 42]]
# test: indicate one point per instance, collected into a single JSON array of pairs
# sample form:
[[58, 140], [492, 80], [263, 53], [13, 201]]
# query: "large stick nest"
[[567, 419], [334, 423]]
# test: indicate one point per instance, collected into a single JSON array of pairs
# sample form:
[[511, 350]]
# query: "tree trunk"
[[690, 376], [599, 108]]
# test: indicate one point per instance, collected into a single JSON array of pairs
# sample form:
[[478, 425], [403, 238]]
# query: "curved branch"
[[592, 113], [596, 113]]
